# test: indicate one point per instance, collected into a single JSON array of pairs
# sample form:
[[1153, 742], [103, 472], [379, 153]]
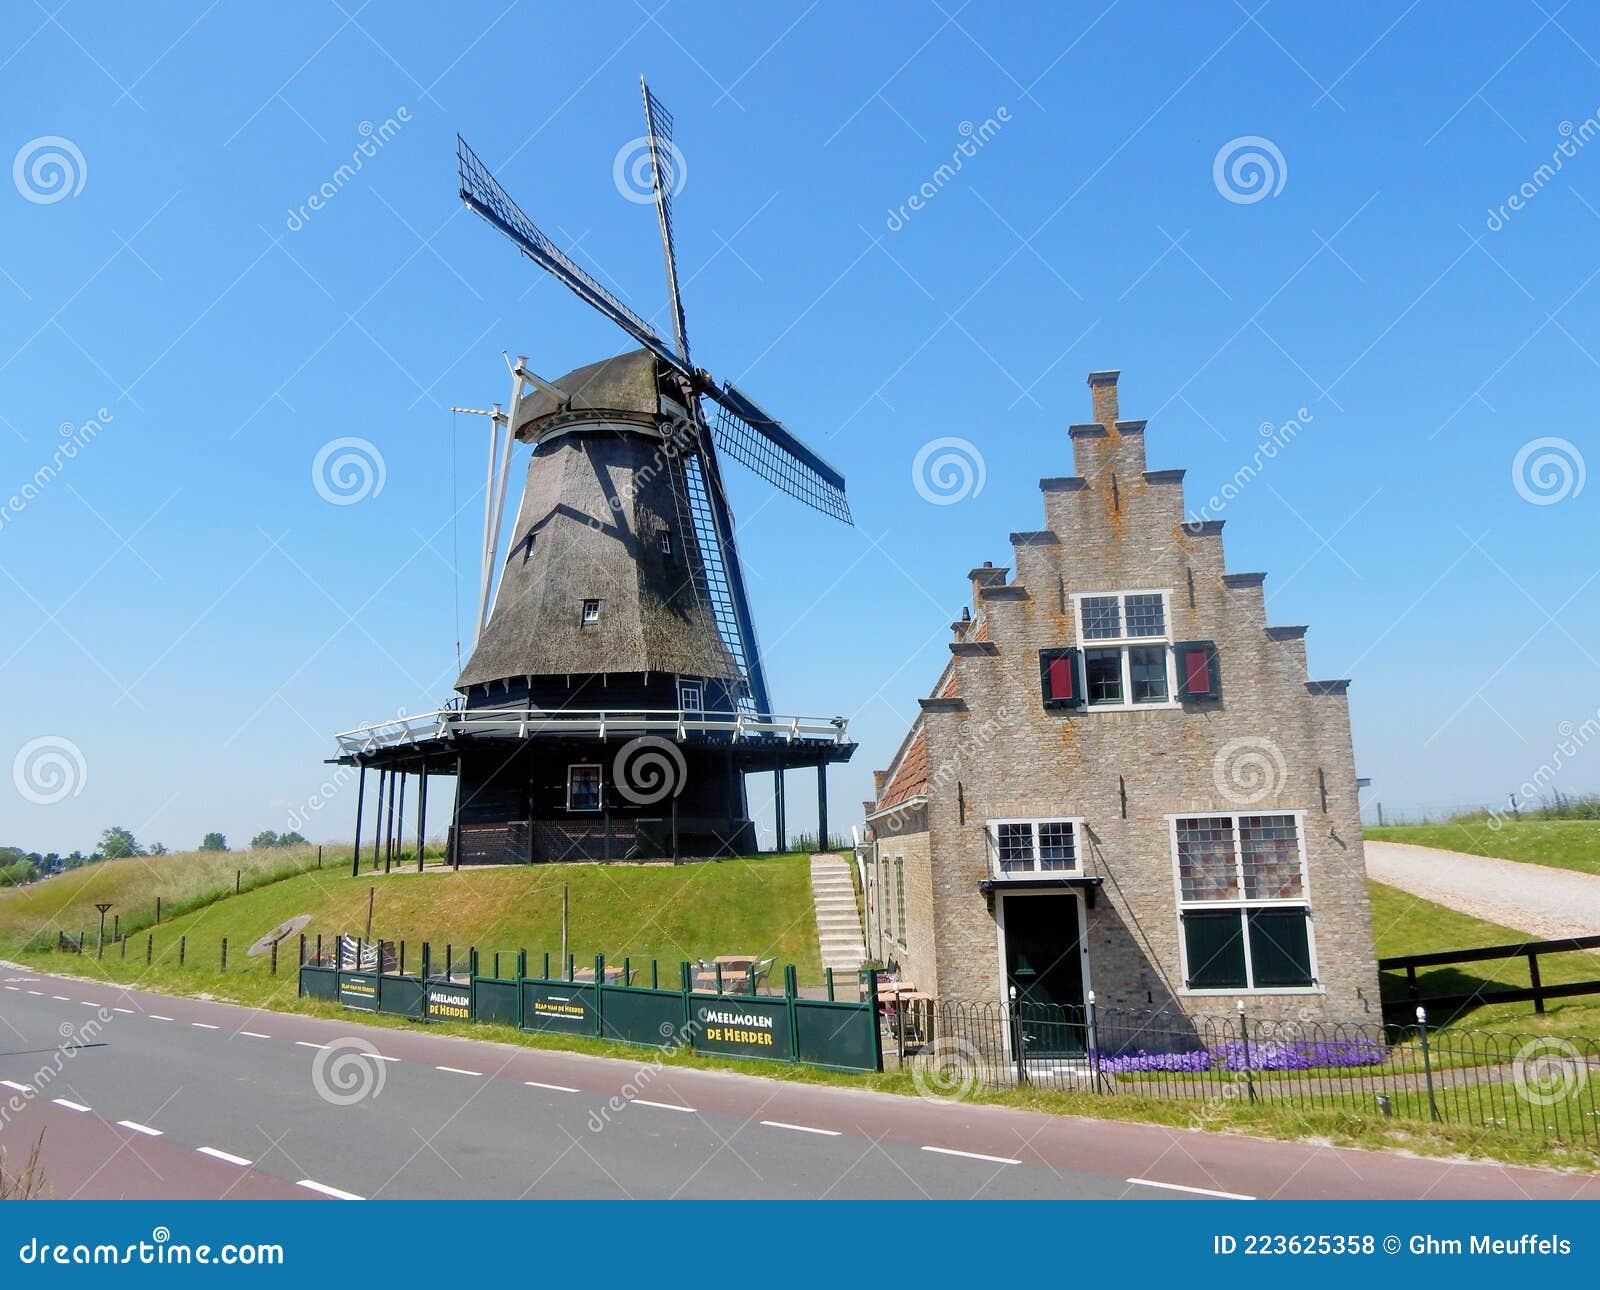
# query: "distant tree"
[[293, 840], [213, 842], [75, 860], [266, 838], [157, 849], [116, 843]]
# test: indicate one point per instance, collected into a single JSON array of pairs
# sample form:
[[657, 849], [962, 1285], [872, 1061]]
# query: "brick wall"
[[998, 752]]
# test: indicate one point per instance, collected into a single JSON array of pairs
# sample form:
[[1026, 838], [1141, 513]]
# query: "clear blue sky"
[[183, 606]]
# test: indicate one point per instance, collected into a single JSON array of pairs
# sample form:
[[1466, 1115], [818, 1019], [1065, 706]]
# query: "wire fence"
[[1510, 808], [1538, 1086]]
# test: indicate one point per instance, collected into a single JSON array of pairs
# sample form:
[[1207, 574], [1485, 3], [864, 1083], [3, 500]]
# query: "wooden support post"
[[782, 838], [183, 949], [822, 806], [274, 958], [455, 827], [400, 820], [377, 821], [224, 959], [158, 909], [396, 785], [361, 802], [1535, 982], [422, 812], [149, 946]]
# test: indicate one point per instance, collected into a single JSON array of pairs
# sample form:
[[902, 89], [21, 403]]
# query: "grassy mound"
[[761, 906], [184, 880]]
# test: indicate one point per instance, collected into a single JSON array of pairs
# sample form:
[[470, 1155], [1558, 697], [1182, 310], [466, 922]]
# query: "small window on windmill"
[[664, 539], [691, 696], [591, 612]]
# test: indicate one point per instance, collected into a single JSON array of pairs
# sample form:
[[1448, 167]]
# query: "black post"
[[455, 826], [777, 810], [238, 881], [274, 958], [377, 822], [400, 819], [1427, 1061], [1244, 1034], [116, 927], [319, 849], [388, 828], [822, 806], [361, 803], [1533, 980], [422, 811], [149, 947], [123, 952], [183, 949], [224, 966], [158, 909]]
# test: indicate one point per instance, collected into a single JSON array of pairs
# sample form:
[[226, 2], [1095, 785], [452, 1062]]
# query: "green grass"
[[1560, 844], [1407, 924], [761, 906], [183, 880]]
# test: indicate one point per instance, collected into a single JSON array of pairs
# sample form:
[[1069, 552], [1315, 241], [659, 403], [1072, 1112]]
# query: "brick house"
[[1124, 780]]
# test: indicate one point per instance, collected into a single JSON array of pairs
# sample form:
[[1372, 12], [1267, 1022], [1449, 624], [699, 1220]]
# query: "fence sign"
[[741, 1026], [358, 990], [447, 1002], [561, 1007]]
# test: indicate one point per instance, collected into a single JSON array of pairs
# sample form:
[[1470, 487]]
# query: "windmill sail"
[[760, 441], [664, 178]]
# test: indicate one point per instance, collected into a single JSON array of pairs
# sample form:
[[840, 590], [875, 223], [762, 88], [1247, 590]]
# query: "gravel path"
[[1529, 897]]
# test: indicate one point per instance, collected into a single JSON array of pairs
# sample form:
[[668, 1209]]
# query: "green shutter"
[[1214, 946], [1065, 664], [1199, 676], [1280, 947]]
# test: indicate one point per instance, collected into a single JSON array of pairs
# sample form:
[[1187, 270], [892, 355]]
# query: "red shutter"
[[1196, 670], [1061, 677]]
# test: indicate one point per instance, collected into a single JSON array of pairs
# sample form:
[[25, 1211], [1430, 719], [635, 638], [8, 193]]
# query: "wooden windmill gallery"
[[614, 700]]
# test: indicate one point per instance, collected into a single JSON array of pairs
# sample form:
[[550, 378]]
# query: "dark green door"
[[1045, 968]]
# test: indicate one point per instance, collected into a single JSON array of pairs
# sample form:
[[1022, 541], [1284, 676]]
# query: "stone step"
[[833, 894]]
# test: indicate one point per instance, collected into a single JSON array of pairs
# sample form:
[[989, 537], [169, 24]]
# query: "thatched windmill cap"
[[626, 388]]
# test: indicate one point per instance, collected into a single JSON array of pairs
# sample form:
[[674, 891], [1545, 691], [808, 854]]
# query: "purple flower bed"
[[1297, 1055]]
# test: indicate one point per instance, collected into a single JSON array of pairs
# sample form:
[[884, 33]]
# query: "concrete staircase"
[[838, 924]]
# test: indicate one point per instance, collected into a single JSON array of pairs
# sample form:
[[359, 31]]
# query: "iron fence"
[[1540, 1086]]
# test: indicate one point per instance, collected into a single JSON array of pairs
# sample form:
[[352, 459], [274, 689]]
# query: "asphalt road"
[[148, 1096]]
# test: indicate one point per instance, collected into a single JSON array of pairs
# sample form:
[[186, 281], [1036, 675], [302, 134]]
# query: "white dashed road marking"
[[71, 1106], [665, 1106], [456, 1070], [327, 1190], [800, 1128], [254, 1034], [554, 1088], [204, 1025], [129, 1011], [306, 1043], [973, 1155], [21, 1088], [156, 1016], [61, 998], [227, 1156], [1198, 1191], [139, 1128]]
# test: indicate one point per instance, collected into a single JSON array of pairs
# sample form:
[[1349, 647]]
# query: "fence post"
[[827, 976], [158, 909], [319, 857], [124, 953], [274, 958], [1427, 1061], [302, 949], [497, 965], [149, 946], [1244, 1033], [1094, 1045], [1016, 1033], [224, 966], [1534, 980], [183, 949], [238, 880]]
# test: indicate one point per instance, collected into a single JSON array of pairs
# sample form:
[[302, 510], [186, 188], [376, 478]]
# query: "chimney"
[[1104, 387]]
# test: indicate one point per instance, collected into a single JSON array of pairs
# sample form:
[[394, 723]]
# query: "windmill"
[[615, 696]]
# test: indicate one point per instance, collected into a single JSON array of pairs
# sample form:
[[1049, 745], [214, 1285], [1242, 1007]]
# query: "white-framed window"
[[590, 613], [1243, 902], [1126, 643], [691, 696], [1025, 846], [664, 541], [583, 787], [900, 898]]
